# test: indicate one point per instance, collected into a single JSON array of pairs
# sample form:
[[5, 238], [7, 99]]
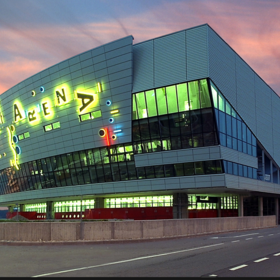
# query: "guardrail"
[[127, 229]]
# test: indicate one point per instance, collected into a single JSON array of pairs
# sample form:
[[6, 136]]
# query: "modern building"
[[174, 127]]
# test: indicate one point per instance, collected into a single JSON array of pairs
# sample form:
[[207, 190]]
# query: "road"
[[254, 253]]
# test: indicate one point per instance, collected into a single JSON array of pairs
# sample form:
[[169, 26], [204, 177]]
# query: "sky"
[[36, 34]]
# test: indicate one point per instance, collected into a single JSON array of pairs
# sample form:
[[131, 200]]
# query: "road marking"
[[278, 254], [260, 260], [235, 241], [260, 236], [270, 234], [213, 275], [129, 260], [238, 267], [248, 238], [216, 237], [246, 234]]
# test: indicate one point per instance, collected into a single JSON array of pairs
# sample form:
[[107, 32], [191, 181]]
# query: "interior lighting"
[[108, 102], [114, 137], [117, 130], [111, 120], [42, 89], [33, 93]]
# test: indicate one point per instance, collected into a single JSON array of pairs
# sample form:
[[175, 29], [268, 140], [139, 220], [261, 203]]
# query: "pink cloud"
[[253, 32]]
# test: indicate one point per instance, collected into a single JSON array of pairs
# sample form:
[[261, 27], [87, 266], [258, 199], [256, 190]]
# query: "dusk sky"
[[36, 34]]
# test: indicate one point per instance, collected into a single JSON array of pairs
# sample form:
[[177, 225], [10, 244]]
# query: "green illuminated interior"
[[167, 100]]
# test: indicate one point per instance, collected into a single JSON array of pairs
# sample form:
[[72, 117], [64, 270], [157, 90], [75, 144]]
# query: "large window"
[[233, 132], [172, 99]]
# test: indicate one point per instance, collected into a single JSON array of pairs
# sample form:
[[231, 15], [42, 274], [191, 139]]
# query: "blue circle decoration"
[[108, 102], [111, 120], [42, 89], [15, 138], [18, 150]]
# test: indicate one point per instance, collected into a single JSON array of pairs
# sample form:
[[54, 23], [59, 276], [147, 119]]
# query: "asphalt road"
[[254, 253]]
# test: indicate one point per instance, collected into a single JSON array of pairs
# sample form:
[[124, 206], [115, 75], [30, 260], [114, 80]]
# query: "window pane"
[[194, 95], [222, 122], [228, 108], [161, 101], [134, 108], [214, 96], [189, 168], [221, 103], [56, 125], [171, 99], [141, 105], [48, 127], [96, 114], [196, 123], [183, 100], [26, 135], [207, 120], [199, 168], [204, 94], [85, 117], [151, 103]]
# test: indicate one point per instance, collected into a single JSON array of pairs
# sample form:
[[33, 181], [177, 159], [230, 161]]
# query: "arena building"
[[178, 126]]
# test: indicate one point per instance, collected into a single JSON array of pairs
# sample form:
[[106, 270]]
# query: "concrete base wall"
[[128, 230]]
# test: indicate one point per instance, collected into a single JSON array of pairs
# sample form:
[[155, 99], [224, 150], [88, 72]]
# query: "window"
[[52, 126], [90, 116], [23, 136]]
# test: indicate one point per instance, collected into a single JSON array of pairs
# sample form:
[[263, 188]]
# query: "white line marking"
[[233, 236], [260, 260], [130, 260], [248, 238], [270, 234], [213, 275], [278, 254], [238, 267], [235, 241], [260, 236], [246, 234]]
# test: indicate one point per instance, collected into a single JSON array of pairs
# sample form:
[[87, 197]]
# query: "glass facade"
[[233, 132], [174, 117]]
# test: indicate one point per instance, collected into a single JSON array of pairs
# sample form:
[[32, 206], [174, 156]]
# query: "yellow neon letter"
[[17, 113], [45, 108], [32, 115], [61, 97], [87, 99]]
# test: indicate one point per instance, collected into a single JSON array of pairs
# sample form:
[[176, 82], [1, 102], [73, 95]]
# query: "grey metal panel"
[[143, 66], [238, 157], [169, 59], [246, 99], [197, 53], [222, 68], [264, 117], [276, 127], [184, 155]]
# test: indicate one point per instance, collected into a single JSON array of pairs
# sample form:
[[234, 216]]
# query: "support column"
[[180, 206], [11, 209], [99, 202], [50, 210], [277, 210], [240, 206], [219, 206], [21, 208], [260, 205]]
